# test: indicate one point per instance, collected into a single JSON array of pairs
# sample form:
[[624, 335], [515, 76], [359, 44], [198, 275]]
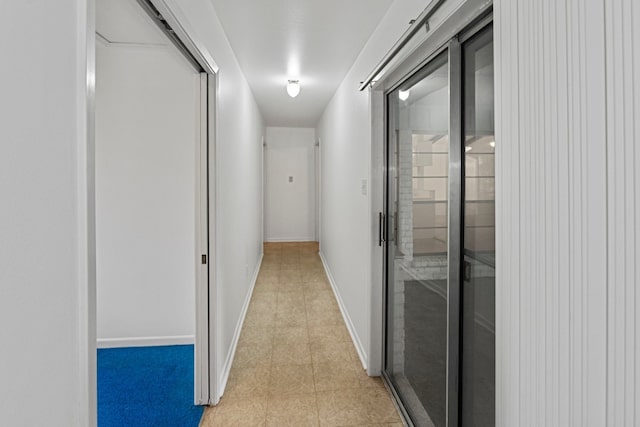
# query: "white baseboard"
[[226, 368], [362, 354], [145, 341], [289, 239]]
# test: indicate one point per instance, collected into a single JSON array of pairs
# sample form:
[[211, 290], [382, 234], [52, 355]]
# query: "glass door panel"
[[417, 246], [478, 284]]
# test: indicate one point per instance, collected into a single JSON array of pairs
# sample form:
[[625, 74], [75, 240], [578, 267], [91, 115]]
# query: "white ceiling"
[[314, 41], [124, 21]]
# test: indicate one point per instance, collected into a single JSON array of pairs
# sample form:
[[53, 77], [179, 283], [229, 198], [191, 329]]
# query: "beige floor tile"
[[256, 319], [271, 247], [207, 416], [295, 364], [290, 276], [294, 353], [324, 294], [341, 408], [291, 265], [328, 333], [291, 380], [294, 296], [329, 351], [268, 276], [292, 411], [256, 335], [253, 355], [313, 275], [248, 382], [354, 353], [289, 318], [364, 380], [291, 287], [242, 412], [316, 286], [310, 261], [264, 298], [380, 425], [356, 407], [266, 287], [261, 307], [321, 301], [309, 266], [334, 376], [378, 406], [270, 266], [290, 335], [324, 317]]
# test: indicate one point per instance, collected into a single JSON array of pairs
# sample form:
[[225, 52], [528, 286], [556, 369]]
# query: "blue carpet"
[[146, 386]]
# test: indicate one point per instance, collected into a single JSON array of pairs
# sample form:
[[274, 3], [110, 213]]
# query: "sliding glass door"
[[440, 238], [418, 161]]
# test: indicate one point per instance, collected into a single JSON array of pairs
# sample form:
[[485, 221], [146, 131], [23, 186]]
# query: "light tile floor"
[[295, 364]]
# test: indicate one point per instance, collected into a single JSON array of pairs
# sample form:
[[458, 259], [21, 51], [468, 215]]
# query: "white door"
[[290, 185]]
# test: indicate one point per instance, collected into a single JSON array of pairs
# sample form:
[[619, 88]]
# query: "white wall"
[[146, 117], [568, 212], [290, 207], [47, 361], [47, 297], [239, 131], [345, 151]]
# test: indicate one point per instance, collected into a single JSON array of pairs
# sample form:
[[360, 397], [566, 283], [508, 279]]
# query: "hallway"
[[295, 364]]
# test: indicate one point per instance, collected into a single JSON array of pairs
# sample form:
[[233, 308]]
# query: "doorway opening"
[[155, 182], [291, 185]]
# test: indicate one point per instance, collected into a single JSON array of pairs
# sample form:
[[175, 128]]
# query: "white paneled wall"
[[623, 211], [567, 209]]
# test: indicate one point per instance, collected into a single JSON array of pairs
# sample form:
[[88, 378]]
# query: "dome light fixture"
[[404, 94], [293, 88]]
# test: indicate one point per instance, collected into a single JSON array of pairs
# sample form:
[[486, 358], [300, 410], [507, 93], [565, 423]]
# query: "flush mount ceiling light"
[[293, 88], [404, 94]]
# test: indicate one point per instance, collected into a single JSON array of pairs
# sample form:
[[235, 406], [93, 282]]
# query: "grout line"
[[306, 314]]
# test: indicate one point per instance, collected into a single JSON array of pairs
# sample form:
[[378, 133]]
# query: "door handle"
[[466, 271], [381, 228]]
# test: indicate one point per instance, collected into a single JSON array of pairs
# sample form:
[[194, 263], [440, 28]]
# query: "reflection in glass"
[[478, 286], [418, 190]]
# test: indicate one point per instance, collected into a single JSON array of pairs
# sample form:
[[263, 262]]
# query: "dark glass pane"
[[478, 285]]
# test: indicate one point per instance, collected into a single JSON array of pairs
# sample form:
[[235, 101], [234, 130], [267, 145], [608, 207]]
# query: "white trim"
[[145, 341], [178, 23], [376, 203], [226, 368], [103, 41], [290, 239], [362, 354], [212, 87], [202, 386], [87, 375]]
